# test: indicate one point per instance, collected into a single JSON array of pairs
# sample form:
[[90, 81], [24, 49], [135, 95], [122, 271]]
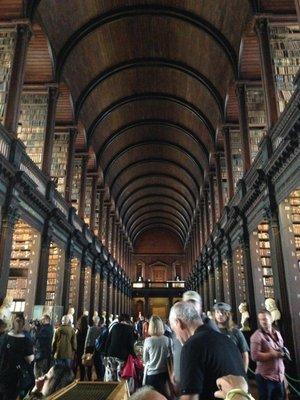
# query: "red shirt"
[[261, 342]]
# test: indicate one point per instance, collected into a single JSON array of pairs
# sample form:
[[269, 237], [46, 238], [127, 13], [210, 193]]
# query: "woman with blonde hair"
[[223, 319], [157, 349]]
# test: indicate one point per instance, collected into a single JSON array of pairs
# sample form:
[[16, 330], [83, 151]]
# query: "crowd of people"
[[191, 357]]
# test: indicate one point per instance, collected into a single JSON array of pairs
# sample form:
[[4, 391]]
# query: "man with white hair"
[[195, 299], [147, 393], [206, 354], [64, 343]]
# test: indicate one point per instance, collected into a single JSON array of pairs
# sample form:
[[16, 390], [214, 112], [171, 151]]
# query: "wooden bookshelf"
[[97, 211], [88, 199], [226, 282], [32, 124], [75, 265], [97, 293], [87, 288], [59, 161], [7, 49], [55, 275], [23, 267], [239, 275], [76, 183], [224, 177], [236, 154], [216, 199], [256, 117], [285, 50], [295, 211]]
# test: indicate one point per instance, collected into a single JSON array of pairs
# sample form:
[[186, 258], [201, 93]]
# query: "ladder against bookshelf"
[[256, 117], [285, 49], [23, 270], [75, 265], [59, 161], [55, 275], [87, 288], [75, 193], [239, 275], [32, 124], [261, 258], [226, 281], [236, 156], [88, 198], [7, 49]]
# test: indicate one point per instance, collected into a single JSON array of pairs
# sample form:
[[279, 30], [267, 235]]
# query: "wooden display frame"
[[121, 391]]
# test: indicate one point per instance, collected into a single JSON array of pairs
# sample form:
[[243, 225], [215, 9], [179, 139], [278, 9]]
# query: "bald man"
[[147, 393]]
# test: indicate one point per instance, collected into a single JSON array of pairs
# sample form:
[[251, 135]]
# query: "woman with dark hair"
[[82, 329], [58, 377], [16, 355], [119, 345]]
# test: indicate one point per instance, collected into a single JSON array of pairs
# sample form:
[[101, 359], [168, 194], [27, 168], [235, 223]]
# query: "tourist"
[[100, 349], [206, 354], [64, 343], [119, 345], [89, 347], [145, 333], [43, 347], [157, 349], [195, 299], [147, 393], [16, 355], [58, 377], [223, 319], [81, 333], [267, 349]]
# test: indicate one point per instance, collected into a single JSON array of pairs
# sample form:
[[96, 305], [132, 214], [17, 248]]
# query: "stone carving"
[[271, 306], [243, 309]]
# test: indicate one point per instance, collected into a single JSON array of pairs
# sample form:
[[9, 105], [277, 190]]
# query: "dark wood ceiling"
[[148, 82]]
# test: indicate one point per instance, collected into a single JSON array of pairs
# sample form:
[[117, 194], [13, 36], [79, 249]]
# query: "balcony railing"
[[159, 285]]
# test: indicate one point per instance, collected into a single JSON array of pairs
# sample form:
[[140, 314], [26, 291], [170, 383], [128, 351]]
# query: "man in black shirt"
[[206, 354]]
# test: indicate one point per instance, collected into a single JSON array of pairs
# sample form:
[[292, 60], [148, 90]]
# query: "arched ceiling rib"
[[148, 82]]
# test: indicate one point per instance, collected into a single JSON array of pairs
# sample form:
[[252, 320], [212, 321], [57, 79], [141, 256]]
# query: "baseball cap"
[[222, 306], [191, 295]]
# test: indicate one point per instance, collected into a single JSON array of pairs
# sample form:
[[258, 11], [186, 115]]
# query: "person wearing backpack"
[[16, 355], [100, 349]]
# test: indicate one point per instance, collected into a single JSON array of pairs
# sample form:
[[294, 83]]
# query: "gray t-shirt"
[[156, 351]]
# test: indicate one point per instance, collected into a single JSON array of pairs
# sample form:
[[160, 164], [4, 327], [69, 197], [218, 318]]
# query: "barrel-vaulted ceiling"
[[148, 81]]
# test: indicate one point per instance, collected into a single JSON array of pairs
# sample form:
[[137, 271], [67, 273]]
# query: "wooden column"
[[108, 294], [83, 186], [101, 211], [219, 183], [231, 282], [70, 164], [212, 287], [92, 294], [262, 31], [50, 126], [212, 199], [202, 224], [101, 305], [67, 275], [107, 212], [227, 148], [244, 125], [41, 284], [93, 203], [9, 219], [117, 241], [16, 81], [206, 211], [81, 289], [297, 2], [112, 232]]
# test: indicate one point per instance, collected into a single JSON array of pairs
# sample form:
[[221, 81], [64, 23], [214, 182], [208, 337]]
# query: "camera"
[[286, 354]]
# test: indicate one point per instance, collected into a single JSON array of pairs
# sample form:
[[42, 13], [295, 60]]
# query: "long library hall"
[[149, 197]]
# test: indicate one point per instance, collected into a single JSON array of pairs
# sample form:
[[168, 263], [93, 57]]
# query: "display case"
[[23, 269], [59, 161], [285, 50], [7, 49], [55, 275], [236, 156], [76, 182], [32, 124], [75, 265], [88, 200]]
